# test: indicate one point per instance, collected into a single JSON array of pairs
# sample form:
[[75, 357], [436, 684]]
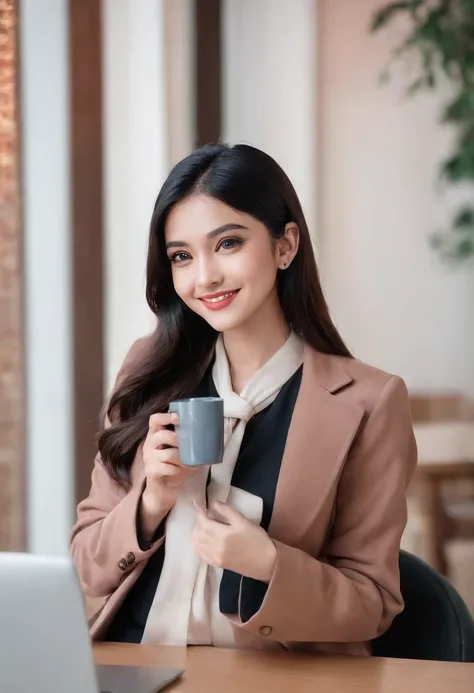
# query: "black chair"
[[435, 624]]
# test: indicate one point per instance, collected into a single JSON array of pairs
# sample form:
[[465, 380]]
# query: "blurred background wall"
[[269, 83], [397, 305], [99, 98]]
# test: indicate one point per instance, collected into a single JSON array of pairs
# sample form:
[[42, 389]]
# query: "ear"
[[287, 246]]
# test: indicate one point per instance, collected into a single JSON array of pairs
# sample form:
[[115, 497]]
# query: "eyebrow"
[[211, 234]]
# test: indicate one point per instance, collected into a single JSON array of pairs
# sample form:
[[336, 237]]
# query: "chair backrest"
[[451, 406], [435, 624]]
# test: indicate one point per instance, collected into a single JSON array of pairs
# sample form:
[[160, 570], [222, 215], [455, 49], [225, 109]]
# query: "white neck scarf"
[[185, 609]]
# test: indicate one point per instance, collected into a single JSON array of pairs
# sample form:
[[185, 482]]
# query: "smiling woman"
[[233, 264], [214, 186], [293, 540]]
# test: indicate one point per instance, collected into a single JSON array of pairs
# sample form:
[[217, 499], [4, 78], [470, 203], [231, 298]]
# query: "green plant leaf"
[[464, 220], [441, 34], [465, 248], [461, 109], [458, 168], [383, 16]]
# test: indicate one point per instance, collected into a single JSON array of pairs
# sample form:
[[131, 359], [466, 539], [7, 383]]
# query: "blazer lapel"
[[320, 435]]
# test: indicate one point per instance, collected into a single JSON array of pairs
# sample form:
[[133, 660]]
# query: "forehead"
[[196, 216]]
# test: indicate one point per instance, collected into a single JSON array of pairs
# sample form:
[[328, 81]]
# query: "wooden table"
[[211, 670]]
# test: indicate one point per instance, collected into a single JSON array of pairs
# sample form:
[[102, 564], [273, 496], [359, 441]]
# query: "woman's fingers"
[[158, 421], [163, 437]]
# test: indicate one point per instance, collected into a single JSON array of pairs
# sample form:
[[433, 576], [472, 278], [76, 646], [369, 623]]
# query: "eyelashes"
[[230, 243], [180, 257], [225, 244]]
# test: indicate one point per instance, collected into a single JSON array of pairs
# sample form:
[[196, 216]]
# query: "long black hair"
[[182, 345]]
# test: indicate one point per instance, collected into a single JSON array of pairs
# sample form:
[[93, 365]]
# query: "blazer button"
[[265, 630], [122, 564], [130, 558]]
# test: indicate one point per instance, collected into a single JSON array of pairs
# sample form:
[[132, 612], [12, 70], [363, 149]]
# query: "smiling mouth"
[[220, 300], [217, 298]]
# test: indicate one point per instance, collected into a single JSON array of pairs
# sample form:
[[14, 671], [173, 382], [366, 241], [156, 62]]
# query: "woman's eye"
[[229, 243], [179, 257]]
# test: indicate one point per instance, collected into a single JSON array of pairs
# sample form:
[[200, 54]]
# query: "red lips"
[[219, 300]]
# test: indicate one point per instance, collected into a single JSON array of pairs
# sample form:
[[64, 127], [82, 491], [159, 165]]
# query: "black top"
[[256, 471]]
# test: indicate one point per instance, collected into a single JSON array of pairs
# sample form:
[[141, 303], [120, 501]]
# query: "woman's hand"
[[225, 539], [163, 470]]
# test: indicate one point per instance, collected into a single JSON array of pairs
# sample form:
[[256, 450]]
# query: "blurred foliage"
[[441, 33]]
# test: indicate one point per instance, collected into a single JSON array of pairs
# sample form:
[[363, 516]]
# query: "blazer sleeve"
[[104, 541], [353, 594]]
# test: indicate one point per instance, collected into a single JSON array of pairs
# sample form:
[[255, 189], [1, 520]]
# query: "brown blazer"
[[339, 514]]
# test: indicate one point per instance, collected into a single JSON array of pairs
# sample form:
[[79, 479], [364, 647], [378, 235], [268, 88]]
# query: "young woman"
[[293, 541]]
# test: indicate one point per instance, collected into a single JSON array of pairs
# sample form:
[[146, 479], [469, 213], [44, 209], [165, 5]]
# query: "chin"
[[223, 321]]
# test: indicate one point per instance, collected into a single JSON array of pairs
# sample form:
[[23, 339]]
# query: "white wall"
[[269, 81], [45, 166], [136, 162], [397, 306]]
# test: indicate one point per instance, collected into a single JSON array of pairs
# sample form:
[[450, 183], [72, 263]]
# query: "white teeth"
[[219, 298]]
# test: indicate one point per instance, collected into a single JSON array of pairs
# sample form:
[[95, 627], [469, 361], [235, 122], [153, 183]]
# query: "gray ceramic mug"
[[200, 430]]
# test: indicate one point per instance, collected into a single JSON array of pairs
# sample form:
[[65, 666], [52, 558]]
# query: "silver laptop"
[[44, 641]]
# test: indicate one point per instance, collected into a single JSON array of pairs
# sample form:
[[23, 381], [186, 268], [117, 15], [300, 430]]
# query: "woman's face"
[[224, 262]]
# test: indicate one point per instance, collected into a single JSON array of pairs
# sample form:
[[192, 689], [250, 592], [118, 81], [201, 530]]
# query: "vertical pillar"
[[12, 396], [135, 162], [85, 94], [44, 60]]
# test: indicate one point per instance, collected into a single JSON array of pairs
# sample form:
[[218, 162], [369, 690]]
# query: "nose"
[[208, 273]]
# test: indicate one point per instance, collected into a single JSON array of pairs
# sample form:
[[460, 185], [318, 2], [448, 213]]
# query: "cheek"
[[260, 269], [183, 283]]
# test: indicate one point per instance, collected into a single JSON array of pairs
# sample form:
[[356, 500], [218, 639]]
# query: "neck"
[[251, 345]]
